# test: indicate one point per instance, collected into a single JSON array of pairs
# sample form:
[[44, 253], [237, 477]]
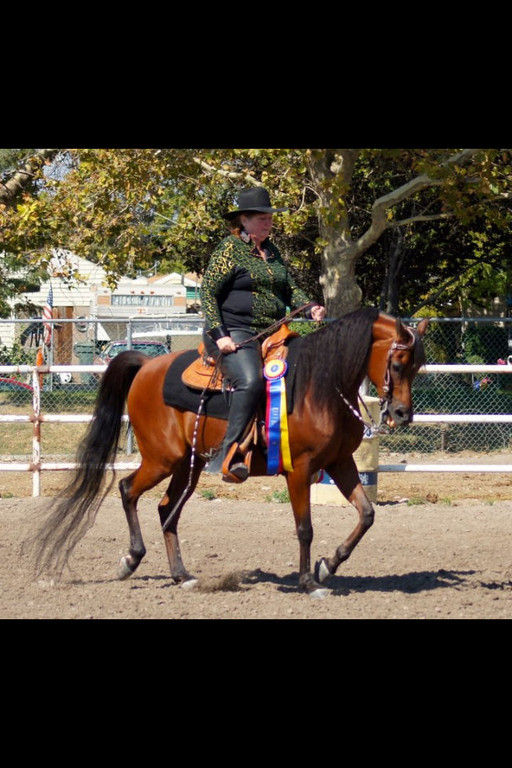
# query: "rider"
[[246, 287]]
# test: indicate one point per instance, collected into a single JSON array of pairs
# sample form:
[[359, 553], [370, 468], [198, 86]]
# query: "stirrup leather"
[[245, 448]]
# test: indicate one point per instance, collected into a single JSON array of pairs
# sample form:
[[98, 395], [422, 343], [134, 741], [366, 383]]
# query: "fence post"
[[129, 433], [36, 435]]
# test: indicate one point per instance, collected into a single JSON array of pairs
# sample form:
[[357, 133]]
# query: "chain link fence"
[[482, 341], [88, 341], [82, 341]]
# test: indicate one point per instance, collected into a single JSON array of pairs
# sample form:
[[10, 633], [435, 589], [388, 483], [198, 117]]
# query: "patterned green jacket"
[[240, 290]]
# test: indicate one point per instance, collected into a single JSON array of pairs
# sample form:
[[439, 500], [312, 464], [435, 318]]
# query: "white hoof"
[[319, 594], [323, 571], [124, 571], [189, 584]]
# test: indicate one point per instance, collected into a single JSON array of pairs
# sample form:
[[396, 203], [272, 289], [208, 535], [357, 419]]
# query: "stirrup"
[[237, 472]]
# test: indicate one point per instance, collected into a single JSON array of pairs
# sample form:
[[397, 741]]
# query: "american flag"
[[48, 315]]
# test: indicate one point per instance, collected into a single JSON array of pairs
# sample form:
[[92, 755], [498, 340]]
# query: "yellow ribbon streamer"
[[285, 442]]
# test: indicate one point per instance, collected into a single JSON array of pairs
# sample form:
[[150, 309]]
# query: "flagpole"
[[48, 331]]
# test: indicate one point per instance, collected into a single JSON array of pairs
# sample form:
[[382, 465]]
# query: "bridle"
[[373, 428], [387, 386]]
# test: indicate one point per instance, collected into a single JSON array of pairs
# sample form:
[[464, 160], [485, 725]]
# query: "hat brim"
[[232, 214]]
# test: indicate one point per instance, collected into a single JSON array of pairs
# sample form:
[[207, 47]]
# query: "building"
[[155, 299]]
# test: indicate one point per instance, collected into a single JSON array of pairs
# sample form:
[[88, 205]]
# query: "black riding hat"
[[256, 199]]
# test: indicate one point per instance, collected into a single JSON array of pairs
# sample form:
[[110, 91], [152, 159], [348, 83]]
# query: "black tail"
[[75, 508]]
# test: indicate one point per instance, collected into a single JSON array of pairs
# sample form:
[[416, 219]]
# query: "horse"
[[325, 428]]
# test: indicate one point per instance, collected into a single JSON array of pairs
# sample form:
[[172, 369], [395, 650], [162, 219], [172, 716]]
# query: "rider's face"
[[259, 225]]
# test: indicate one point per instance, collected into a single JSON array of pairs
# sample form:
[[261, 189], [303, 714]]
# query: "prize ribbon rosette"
[[278, 456]]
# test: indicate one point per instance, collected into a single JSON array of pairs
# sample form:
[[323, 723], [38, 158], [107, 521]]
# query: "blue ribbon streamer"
[[274, 426]]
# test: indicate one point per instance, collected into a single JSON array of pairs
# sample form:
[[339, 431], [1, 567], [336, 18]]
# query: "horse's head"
[[395, 358]]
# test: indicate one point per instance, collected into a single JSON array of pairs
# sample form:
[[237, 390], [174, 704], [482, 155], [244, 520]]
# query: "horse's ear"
[[401, 331], [422, 327]]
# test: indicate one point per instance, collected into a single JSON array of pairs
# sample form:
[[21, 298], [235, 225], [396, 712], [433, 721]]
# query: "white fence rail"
[[36, 466]]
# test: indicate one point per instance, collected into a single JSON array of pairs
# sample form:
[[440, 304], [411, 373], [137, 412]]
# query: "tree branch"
[[382, 204], [12, 188], [236, 175], [420, 217]]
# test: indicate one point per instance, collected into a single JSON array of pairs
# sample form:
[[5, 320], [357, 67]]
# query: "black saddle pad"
[[216, 404]]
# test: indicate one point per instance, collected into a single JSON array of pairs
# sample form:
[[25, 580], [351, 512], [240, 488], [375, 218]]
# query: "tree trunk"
[[338, 277], [9, 190], [331, 172], [390, 290]]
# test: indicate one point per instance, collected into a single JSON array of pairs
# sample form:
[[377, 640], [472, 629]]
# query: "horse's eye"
[[397, 367]]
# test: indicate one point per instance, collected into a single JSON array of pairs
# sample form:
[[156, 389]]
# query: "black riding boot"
[[242, 408], [243, 370]]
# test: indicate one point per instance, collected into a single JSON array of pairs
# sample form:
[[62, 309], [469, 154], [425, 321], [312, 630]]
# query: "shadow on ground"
[[416, 581]]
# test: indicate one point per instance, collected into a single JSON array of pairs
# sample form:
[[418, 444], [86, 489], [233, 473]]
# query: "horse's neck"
[[383, 328]]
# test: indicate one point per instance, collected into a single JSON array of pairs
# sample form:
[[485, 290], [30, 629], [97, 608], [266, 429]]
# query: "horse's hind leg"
[[170, 508], [131, 488], [347, 479]]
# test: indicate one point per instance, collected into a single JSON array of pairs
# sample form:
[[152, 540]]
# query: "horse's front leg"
[[347, 479], [299, 490]]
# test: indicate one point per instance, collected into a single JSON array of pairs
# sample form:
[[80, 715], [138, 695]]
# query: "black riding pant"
[[243, 370]]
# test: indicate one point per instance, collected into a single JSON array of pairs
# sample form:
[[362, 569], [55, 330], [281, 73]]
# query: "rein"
[[372, 427], [277, 324]]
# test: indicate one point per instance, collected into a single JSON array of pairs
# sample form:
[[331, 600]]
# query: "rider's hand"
[[317, 312], [226, 345]]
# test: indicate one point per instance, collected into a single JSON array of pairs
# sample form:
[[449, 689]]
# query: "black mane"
[[336, 356]]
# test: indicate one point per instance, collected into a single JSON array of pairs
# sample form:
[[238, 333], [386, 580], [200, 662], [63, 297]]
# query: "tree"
[[441, 185], [352, 210]]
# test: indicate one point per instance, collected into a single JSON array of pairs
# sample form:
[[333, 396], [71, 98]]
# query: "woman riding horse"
[[325, 429], [246, 288]]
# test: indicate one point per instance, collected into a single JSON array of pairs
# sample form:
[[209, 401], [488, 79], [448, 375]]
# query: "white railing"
[[456, 418], [36, 466]]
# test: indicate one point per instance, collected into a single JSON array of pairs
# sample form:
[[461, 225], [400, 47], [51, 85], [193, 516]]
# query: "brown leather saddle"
[[202, 373]]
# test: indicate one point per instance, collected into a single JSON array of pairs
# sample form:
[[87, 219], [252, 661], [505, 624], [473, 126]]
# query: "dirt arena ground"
[[440, 548]]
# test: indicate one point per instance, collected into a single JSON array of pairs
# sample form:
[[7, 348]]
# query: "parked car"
[[13, 385], [150, 348], [65, 378]]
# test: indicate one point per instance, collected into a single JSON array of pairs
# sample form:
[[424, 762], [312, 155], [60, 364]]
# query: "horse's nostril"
[[402, 414]]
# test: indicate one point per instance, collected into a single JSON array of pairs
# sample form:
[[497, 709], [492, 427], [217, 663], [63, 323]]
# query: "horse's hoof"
[[189, 584], [321, 570], [313, 588], [124, 570], [319, 593]]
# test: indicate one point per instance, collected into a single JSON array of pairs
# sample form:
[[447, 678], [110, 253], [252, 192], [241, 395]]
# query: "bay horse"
[[324, 432]]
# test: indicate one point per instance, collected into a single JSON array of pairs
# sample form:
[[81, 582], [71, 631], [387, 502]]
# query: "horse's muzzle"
[[397, 415]]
